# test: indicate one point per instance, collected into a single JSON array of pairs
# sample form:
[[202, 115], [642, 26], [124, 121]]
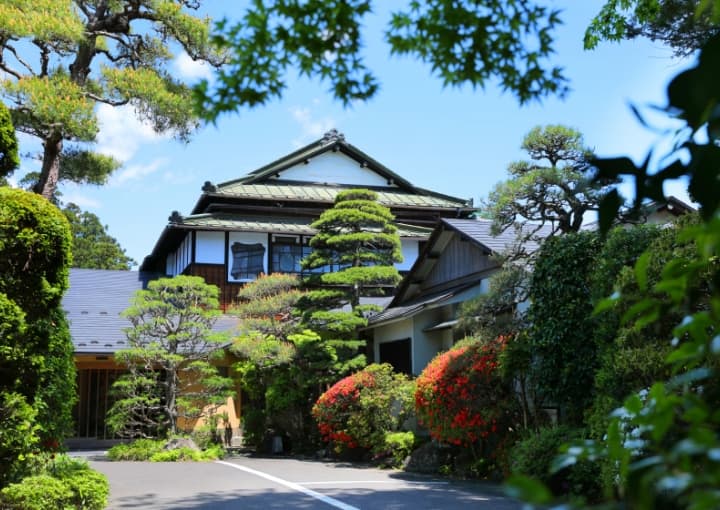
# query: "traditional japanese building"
[[260, 223]]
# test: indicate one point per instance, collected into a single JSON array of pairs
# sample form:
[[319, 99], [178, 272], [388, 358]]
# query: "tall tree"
[[680, 24], [355, 248], [556, 187], [93, 247], [170, 374], [61, 58]]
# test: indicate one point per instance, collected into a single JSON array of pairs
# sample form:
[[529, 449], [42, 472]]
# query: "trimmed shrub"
[[152, 450], [65, 483], [396, 447], [357, 411], [140, 449], [36, 348], [188, 454], [533, 456], [461, 397], [40, 492]]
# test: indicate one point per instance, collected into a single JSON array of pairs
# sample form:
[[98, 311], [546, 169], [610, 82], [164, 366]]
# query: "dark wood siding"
[[216, 275], [460, 258]]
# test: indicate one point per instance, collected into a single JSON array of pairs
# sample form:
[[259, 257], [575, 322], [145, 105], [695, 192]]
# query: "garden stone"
[[428, 458], [180, 442]]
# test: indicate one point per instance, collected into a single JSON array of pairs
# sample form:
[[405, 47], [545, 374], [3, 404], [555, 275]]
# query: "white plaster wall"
[[394, 331], [210, 247], [335, 168], [410, 254], [249, 238], [178, 261], [427, 344]]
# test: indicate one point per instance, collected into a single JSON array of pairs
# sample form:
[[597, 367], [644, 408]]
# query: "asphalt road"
[[280, 483]]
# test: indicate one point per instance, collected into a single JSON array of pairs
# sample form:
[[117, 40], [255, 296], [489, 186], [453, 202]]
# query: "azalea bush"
[[357, 411], [461, 396]]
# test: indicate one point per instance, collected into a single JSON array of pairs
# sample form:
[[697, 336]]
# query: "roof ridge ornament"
[[209, 187], [332, 136], [175, 217]]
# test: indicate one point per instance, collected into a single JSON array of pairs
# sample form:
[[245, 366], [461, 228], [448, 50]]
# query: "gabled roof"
[[477, 231], [325, 193], [93, 305], [331, 141], [271, 224], [266, 183]]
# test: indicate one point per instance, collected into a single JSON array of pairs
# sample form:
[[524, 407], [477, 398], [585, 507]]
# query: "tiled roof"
[[417, 305], [480, 231], [326, 194], [93, 304], [278, 225]]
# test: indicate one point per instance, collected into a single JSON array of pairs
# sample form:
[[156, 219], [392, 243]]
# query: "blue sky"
[[456, 141]]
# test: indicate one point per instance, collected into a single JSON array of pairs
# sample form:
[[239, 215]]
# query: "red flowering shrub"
[[358, 410], [460, 396]]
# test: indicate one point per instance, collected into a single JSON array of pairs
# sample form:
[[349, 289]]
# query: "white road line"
[[395, 482], [291, 485]]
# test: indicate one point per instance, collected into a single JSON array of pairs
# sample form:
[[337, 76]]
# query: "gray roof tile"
[[93, 305]]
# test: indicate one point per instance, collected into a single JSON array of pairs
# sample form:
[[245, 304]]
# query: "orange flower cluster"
[[456, 394]]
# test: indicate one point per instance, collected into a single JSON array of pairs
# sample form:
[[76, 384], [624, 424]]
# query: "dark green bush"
[[533, 456], [36, 359], [18, 435]]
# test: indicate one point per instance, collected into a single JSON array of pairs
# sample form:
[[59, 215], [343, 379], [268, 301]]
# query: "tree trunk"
[[50, 172]]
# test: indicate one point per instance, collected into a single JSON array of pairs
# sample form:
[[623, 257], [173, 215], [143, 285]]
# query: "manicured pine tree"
[[353, 253], [170, 374]]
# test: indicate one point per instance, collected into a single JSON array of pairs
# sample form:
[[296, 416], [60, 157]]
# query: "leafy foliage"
[[35, 346], [463, 42], [676, 23], [360, 409], [662, 441], [75, 54], [9, 159], [93, 247], [565, 357], [462, 399], [139, 449], [18, 434], [170, 374], [280, 367], [534, 454], [64, 482]]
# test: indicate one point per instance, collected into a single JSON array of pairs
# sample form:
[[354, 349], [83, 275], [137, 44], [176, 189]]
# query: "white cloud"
[[84, 202], [135, 172], [192, 69], [312, 128], [121, 133]]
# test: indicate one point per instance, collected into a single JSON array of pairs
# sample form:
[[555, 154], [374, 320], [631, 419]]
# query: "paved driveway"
[[280, 483]]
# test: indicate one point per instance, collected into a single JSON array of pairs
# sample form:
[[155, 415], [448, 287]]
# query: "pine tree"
[[354, 252]]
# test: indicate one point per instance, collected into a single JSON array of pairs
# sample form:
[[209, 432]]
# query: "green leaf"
[[527, 489]]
